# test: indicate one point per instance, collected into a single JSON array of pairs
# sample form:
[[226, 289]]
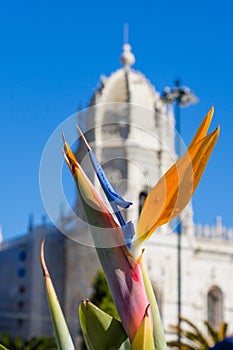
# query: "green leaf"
[[159, 338], [179, 345], [193, 338], [213, 333], [100, 330], [222, 330], [199, 334], [2, 347], [63, 338]]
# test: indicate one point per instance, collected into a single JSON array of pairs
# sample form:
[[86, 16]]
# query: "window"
[[215, 306], [21, 289], [21, 304], [22, 255], [20, 322], [142, 198], [21, 272]]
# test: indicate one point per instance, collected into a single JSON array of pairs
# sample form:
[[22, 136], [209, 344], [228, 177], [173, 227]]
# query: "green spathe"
[[63, 338], [100, 330]]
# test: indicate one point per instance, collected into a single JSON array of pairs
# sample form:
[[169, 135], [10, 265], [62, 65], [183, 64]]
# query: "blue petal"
[[109, 190], [111, 193], [129, 232]]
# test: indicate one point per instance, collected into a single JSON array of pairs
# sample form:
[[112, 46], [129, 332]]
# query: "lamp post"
[[180, 97]]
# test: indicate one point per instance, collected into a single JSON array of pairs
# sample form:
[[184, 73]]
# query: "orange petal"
[[174, 190], [203, 128]]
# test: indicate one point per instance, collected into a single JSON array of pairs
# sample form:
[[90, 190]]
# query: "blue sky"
[[52, 55]]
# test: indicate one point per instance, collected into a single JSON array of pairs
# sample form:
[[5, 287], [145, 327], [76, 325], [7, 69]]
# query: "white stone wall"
[[206, 262]]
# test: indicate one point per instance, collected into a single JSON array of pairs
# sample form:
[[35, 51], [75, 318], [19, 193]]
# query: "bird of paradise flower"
[[120, 249]]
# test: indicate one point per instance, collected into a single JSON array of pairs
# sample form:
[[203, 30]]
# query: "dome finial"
[[126, 33], [127, 57]]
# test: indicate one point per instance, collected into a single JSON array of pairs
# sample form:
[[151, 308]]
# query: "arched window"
[[215, 306], [142, 198]]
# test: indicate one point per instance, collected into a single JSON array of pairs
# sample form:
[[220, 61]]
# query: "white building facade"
[[133, 134]]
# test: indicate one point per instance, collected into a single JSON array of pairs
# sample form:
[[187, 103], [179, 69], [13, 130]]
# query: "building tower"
[[132, 132]]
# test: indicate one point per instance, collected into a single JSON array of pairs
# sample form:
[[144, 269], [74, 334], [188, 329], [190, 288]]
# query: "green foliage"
[[102, 298], [100, 330], [101, 295], [193, 339], [35, 343]]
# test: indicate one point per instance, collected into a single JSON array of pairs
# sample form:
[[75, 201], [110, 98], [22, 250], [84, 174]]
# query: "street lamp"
[[180, 97]]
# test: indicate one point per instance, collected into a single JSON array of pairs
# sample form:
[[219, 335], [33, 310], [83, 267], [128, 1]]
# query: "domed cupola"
[[131, 130], [127, 85]]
